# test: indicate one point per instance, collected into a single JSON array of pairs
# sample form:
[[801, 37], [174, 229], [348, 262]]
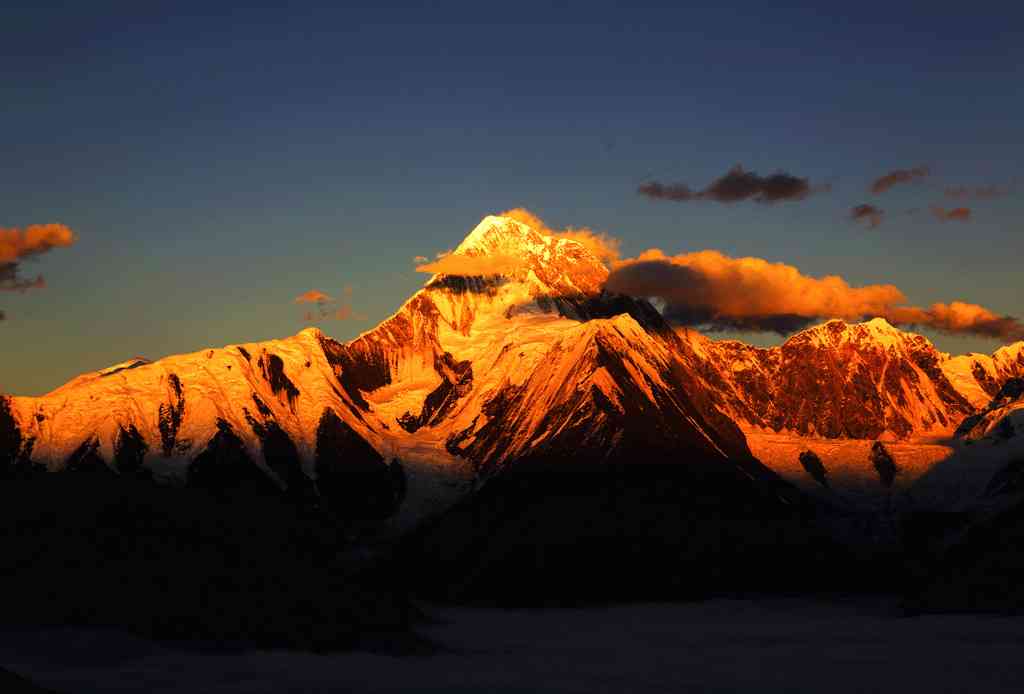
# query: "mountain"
[[518, 435], [859, 381], [469, 375]]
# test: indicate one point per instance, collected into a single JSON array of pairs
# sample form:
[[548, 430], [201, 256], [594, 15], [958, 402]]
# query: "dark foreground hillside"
[[171, 563]]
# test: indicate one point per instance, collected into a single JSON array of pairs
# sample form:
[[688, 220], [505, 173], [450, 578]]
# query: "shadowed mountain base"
[[536, 535], [173, 563]]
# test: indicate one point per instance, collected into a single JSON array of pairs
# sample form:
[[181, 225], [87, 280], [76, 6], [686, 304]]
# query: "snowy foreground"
[[762, 645]]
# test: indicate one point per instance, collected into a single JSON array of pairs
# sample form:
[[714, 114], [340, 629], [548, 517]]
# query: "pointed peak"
[[497, 234], [880, 323]]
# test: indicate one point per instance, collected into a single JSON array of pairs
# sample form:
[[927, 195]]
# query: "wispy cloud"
[[898, 177], [868, 214], [19, 245], [957, 214], [990, 192], [737, 185], [327, 307]]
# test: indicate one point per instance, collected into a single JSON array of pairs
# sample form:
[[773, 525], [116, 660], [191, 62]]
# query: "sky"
[[214, 163]]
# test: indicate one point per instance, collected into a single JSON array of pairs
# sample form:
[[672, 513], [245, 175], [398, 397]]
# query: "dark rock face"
[[170, 414], [882, 460], [129, 450], [351, 475], [10, 437], [1010, 392], [86, 459], [224, 466], [456, 381], [280, 452], [814, 467], [273, 371]]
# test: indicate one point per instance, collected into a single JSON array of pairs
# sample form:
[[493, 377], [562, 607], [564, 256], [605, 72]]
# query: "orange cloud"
[[713, 289], [957, 214], [472, 265], [603, 246], [17, 245], [313, 296], [36, 239], [327, 307], [867, 213], [961, 317], [897, 177], [989, 192]]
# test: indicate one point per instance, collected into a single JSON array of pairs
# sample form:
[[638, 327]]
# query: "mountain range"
[[455, 418]]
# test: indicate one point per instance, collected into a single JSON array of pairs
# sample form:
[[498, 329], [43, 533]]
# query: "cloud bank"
[[737, 185], [720, 292], [898, 177]]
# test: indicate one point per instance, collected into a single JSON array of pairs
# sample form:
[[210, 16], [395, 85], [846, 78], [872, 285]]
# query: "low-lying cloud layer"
[[869, 214], [711, 289], [735, 186], [898, 177]]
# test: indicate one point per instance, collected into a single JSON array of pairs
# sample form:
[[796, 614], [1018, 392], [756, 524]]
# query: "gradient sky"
[[216, 163]]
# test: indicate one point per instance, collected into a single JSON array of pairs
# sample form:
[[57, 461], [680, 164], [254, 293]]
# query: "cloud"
[[720, 292], [603, 246], [420, 259], [961, 317], [990, 192], [867, 213], [313, 296], [897, 177], [473, 265], [17, 245], [957, 214], [735, 186], [327, 307]]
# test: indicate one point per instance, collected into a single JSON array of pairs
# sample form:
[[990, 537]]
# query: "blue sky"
[[216, 162]]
